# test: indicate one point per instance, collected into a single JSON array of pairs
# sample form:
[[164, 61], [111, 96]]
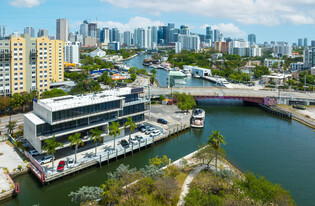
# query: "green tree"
[[27, 99], [114, 131], [16, 101], [96, 137], [53, 93], [275, 65], [215, 139], [152, 78], [4, 103], [107, 80], [260, 189], [50, 148], [129, 123], [75, 140], [207, 153], [85, 194], [153, 71], [185, 102], [159, 161], [133, 76], [11, 126]]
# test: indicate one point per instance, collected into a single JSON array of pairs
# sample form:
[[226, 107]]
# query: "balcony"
[[5, 55], [33, 55]]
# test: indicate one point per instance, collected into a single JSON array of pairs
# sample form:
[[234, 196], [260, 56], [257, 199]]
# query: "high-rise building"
[[71, 37], [313, 43], [127, 38], [309, 58], [3, 31], [300, 42], [84, 28], [174, 35], [188, 42], [62, 29], [34, 64], [305, 42], [105, 35], [282, 48], [154, 35], [216, 35], [30, 31], [42, 32], [92, 30], [79, 38], [72, 52], [252, 39], [209, 33], [115, 35], [184, 30], [142, 38]]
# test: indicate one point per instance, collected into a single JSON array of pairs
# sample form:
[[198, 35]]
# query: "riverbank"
[[131, 57], [305, 117]]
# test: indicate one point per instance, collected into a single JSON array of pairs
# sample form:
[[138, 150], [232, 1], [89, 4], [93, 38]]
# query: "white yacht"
[[196, 75], [187, 72], [198, 118]]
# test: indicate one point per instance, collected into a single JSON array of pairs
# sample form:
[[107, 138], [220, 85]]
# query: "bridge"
[[266, 97]]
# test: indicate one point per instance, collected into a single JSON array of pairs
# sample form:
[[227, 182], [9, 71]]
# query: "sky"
[[270, 20]]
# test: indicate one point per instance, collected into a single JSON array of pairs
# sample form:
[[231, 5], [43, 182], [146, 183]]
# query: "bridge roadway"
[[218, 91]]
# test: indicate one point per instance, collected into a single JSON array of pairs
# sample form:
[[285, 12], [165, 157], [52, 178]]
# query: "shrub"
[[20, 167]]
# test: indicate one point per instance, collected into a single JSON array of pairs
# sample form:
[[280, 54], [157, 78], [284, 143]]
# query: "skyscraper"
[[104, 36], [216, 36], [84, 28], [305, 42], [209, 33], [115, 35], [184, 30], [127, 38], [313, 43], [252, 39], [300, 42], [92, 30], [30, 31], [42, 32], [3, 31], [154, 33], [62, 29]]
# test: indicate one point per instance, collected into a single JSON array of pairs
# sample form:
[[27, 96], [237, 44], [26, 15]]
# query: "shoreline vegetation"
[[203, 177]]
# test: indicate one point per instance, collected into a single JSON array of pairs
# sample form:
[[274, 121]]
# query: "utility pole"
[[149, 103], [305, 83]]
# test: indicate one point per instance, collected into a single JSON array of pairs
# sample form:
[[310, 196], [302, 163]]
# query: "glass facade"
[[131, 97], [81, 111], [47, 129], [132, 109], [135, 119]]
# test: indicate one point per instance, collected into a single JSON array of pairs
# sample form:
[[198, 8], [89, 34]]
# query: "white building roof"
[[34, 118], [72, 101]]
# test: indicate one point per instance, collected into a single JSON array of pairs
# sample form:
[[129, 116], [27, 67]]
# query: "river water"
[[279, 149]]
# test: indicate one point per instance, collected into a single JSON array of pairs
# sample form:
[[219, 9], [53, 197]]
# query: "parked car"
[[133, 140], [61, 166], [144, 128], [45, 159], [70, 162], [139, 126], [124, 143], [155, 133], [139, 138], [162, 121], [33, 152], [148, 131]]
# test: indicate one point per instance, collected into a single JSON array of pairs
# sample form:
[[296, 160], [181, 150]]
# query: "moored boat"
[[198, 118]]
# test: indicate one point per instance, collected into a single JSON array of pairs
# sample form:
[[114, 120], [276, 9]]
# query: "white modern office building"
[[72, 52], [244, 48], [67, 115]]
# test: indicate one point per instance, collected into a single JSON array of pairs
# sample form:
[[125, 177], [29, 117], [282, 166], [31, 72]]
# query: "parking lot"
[[87, 152]]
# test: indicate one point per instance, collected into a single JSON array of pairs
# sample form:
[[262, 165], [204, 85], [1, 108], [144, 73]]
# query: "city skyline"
[[19, 13]]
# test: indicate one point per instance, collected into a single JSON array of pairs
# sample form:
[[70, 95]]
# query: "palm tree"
[[96, 136], [215, 139], [75, 140], [50, 148], [11, 126], [130, 124], [114, 130]]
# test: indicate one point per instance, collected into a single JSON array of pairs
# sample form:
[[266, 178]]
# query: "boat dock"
[[45, 177]]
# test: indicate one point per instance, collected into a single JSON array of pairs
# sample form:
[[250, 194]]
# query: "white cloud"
[[135, 22], [227, 29], [265, 12], [26, 3]]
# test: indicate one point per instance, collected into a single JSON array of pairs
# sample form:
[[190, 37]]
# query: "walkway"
[[188, 180]]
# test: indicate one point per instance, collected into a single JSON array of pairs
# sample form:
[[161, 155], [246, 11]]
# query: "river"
[[279, 149]]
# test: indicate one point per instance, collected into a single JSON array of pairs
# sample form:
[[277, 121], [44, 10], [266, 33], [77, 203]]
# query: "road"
[[218, 91], [5, 120]]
